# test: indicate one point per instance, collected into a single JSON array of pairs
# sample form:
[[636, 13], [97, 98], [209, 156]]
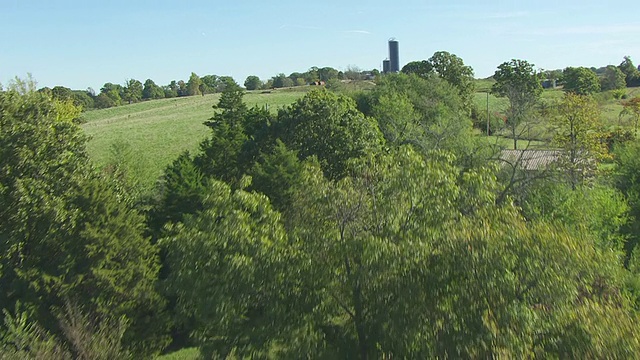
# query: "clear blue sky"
[[82, 44]]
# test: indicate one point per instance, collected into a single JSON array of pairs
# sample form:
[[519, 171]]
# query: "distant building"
[[530, 160], [386, 66], [392, 63], [394, 56]]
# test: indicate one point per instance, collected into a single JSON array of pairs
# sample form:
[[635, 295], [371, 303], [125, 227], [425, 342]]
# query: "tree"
[[83, 99], [518, 82], [252, 82], [627, 180], [275, 174], [220, 152], [631, 108], [61, 93], [577, 133], [281, 80], [373, 239], [225, 272], [152, 91], [182, 88], [554, 77], [327, 73], [330, 127], [351, 73], [114, 92], [612, 79], [421, 68], [427, 113], [171, 90], [103, 101], [132, 91], [452, 69], [211, 83], [632, 75], [580, 81], [53, 202], [193, 85]]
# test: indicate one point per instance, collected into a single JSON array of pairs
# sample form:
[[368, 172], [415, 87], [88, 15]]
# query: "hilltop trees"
[[113, 92], [132, 91], [580, 81], [632, 75], [193, 85], [151, 90], [612, 79], [252, 82]]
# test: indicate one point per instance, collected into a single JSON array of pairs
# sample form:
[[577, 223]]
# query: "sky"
[[81, 44]]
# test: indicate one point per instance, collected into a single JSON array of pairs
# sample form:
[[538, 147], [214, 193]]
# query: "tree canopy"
[[580, 81]]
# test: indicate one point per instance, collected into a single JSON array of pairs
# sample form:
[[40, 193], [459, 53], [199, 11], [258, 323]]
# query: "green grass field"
[[158, 131]]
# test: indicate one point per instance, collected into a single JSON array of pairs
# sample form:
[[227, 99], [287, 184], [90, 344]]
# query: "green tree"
[[211, 83], [427, 113], [171, 90], [327, 73], [252, 82], [103, 101], [281, 80], [330, 127], [132, 91], [182, 88], [373, 239], [518, 82], [554, 76], [52, 202], [224, 271], [632, 75], [220, 153], [612, 79], [193, 85], [578, 134], [151, 90], [422, 68], [452, 69], [580, 81], [114, 92], [61, 93], [627, 180], [631, 108], [275, 174], [83, 99]]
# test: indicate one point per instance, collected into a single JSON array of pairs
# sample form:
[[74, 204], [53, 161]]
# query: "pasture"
[[154, 133]]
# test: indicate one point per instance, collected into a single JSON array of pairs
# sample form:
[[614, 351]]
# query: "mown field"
[[153, 133]]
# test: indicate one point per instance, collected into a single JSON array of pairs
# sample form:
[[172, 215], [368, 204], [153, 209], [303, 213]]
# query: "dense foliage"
[[369, 224]]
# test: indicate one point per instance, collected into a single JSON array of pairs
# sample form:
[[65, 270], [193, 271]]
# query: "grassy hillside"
[[156, 132]]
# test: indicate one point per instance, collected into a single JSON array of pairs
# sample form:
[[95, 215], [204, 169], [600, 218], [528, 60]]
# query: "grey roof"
[[530, 159]]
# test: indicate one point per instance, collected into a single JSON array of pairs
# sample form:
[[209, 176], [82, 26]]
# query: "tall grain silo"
[[394, 56], [386, 66]]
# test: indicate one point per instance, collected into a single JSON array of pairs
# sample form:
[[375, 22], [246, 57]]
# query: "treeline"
[[363, 225], [133, 91], [312, 76]]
